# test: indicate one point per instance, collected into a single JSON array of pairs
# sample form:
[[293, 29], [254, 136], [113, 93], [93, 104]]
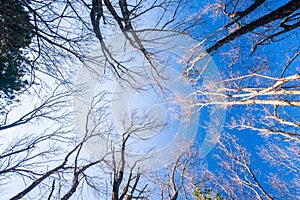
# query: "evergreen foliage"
[[206, 195], [16, 34]]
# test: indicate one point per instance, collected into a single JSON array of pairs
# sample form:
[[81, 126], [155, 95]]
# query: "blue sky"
[[274, 56]]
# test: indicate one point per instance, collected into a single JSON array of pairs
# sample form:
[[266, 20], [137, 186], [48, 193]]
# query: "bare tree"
[[266, 92]]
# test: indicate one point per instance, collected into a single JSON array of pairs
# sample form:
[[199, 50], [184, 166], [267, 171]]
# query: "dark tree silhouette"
[[16, 34]]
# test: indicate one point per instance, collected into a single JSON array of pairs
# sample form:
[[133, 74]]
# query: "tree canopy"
[[85, 129], [16, 34]]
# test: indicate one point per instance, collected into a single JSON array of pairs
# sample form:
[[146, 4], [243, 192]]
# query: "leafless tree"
[[266, 97], [64, 33]]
